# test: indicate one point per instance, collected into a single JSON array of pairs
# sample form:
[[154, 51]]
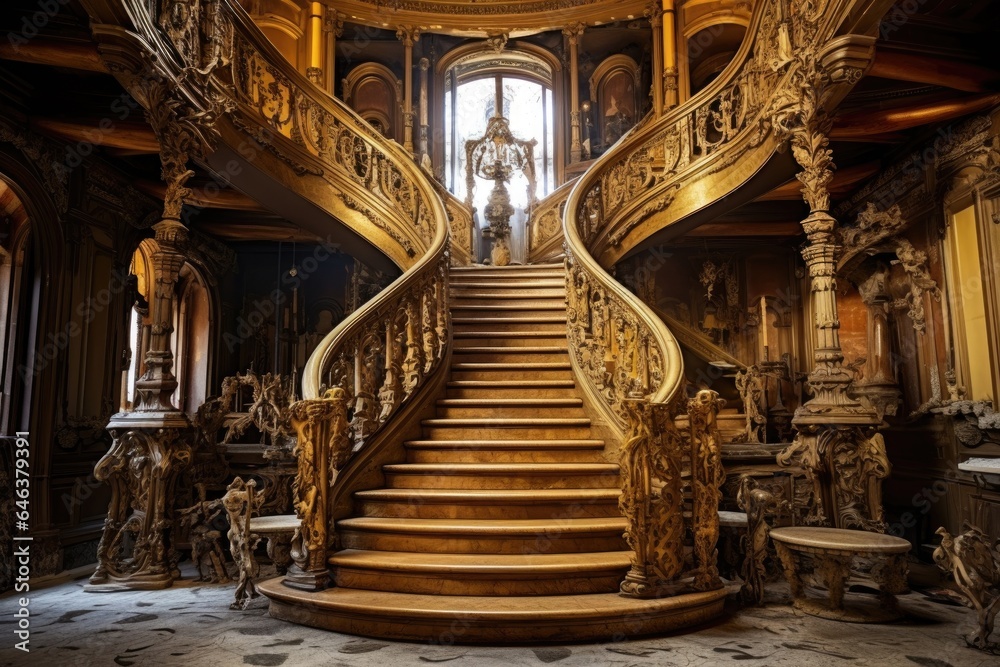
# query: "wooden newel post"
[[652, 450], [323, 445], [707, 476]]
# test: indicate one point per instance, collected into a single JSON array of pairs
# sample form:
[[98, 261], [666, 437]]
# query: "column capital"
[[655, 14], [333, 21], [424, 64], [574, 31], [408, 34]]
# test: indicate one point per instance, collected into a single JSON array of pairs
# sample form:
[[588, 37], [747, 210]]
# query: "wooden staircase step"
[[551, 504], [482, 536], [525, 354], [513, 408], [560, 475], [522, 282], [492, 371], [474, 574], [506, 428], [489, 619]]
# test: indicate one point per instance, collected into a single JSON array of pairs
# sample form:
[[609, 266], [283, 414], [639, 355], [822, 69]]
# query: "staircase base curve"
[[463, 619]]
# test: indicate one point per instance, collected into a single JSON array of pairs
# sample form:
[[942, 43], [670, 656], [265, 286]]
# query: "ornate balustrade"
[[705, 149], [623, 355], [545, 237], [218, 93]]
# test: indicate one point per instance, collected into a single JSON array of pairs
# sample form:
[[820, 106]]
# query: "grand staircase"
[[503, 522]]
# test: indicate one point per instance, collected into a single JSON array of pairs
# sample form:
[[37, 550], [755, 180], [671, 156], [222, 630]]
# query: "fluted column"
[[655, 14], [424, 65], [669, 51], [573, 33], [408, 35], [315, 43]]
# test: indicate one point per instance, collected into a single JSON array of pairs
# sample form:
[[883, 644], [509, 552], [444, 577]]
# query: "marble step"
[[475, 574], [505, 451], [505, 428], [514, 408], [506, 371], [512, 389], [489, 619], [488, 503], [483, 536], [502, 476], [508, 355]]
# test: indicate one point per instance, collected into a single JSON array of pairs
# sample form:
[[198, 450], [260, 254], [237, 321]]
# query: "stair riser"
[[552, 542], [494, 312], [514, 356], [512, 324], [509, 412], [512, 341], [419, 510], [529, 288], [538, 481], [501, 293], [512, 374], [502, 456], [442, 584], [521, 305], [512, 392], [457, 277], [498, 433]]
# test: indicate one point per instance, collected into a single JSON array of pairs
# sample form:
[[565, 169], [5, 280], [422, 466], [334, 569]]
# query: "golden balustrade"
[[660, 173], [545, 237]]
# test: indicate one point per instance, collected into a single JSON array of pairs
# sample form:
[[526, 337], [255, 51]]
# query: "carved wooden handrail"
[[625, 357], [725, 134]]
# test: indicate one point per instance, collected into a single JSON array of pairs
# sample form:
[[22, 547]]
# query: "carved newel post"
[[834, 430], [323, 445]]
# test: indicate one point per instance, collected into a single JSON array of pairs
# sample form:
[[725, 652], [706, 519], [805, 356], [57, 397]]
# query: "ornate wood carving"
[[707, 477], [974, 561], [240, 503]]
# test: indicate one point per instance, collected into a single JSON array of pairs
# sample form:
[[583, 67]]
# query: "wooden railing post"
[[322, 447], [652, 450], [707, 476]]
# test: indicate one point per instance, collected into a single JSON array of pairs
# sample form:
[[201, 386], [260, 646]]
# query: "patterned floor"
[[192, 625]]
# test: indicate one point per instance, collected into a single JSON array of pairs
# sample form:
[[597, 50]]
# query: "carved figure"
[[974, 561], [240, 502], [206, 549]]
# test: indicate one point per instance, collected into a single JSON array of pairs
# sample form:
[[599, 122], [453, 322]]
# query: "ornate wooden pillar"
[[152, 443], [878, 387], [408, 35], [573, 33], [832, 425], [424, 65]]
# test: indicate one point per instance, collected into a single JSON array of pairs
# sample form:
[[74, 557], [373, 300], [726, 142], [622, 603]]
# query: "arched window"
[[518, 86]]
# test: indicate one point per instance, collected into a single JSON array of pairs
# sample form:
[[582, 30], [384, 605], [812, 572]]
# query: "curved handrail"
[[218, 77]]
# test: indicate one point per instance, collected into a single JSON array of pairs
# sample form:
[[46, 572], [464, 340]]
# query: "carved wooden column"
[[655, 14], [408, 35], [322, 447], [424, 65], [669, 50], [573, 33], [333, 27], [707, 475], [151, 443], [832, 425]]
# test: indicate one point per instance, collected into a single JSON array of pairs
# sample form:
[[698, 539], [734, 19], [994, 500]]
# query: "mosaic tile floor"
[[192, 625]]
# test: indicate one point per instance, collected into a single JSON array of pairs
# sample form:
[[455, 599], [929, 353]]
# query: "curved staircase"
[[503, 523]]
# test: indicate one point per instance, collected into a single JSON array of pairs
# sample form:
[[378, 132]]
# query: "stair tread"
[[490, 365], [526, 283], [496, 349], [568, 443], [507, 421], [496, 468], [480, 496], [558, 305], [549, 384], [518, 564], [537, 319], [483, 526], [489, 402]]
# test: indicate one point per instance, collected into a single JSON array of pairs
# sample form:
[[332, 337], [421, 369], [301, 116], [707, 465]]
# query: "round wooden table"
[[278, 531], [833, 551]]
